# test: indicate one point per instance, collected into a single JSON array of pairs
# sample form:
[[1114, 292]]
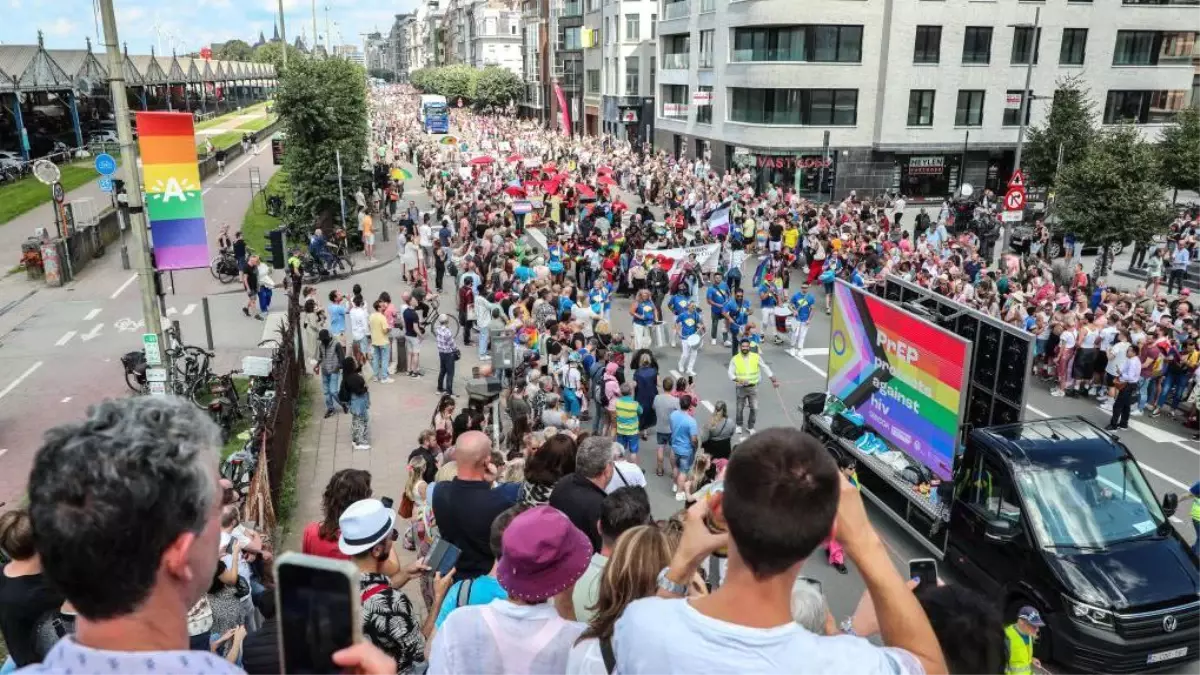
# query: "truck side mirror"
[[1170, 503], [1001, 529]]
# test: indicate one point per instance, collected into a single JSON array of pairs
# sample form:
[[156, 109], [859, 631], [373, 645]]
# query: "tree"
[[272, 53], [382, 74], [1179, 151], [323, 107], [422, 79], [496, 87], [1069, 124], [236, 50], [1113, 192], [456, 81]]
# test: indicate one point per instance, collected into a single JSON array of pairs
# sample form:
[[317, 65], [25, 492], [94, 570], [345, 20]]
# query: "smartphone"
[[926, 570], [387, 502], [443, 556], [317, 601]]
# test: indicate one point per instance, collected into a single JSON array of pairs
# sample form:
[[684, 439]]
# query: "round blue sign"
[[105, 164]]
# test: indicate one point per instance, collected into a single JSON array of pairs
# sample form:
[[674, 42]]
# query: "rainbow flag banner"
[[174, 205]]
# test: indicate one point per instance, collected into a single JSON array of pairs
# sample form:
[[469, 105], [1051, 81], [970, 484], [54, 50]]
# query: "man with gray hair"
[[625, 472], [809, 607], [580, 494], [126, 511]]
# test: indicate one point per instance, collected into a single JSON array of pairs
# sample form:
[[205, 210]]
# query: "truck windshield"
[[435, 108], [1089, 507]]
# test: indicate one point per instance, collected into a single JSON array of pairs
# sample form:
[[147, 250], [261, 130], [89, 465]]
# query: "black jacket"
[[260, 650], [580, 499]]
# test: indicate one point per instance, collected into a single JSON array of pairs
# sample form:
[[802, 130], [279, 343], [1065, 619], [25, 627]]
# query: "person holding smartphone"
[[368, 536]]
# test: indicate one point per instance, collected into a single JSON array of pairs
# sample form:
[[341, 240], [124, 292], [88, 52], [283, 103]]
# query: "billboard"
[[904, 375], [174, 203]]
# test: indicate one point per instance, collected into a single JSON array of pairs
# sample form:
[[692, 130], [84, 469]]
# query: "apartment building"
[[620, 62], [915, 96], [494, 37]]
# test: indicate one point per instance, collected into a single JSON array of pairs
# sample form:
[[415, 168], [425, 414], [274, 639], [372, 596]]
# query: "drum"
[[693, 340]]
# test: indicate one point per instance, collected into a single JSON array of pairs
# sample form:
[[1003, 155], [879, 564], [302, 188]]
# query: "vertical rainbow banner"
[[174, 206]]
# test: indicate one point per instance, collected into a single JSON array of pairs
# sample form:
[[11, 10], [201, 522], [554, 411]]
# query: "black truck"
[[1057, 514]]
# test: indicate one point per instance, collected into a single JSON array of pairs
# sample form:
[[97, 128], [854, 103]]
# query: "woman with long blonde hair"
[[630, 574]]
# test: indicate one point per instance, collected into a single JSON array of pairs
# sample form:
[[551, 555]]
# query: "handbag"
[[826, 277], [406, 506], [457, 353]]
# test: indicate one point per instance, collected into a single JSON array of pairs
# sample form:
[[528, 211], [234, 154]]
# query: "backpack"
[[597, 377]]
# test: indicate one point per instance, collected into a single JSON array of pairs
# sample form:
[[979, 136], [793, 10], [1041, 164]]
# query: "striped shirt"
[[628, 410]]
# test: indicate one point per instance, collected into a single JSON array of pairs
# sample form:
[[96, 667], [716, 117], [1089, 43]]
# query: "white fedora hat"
[[363, 524]]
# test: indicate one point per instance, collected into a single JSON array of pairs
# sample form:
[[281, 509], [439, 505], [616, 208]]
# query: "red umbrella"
[[585, 191], [515, 191], [513, 158], [604, 169], [605, 179], [483, 160], [619, 206], [549, 167]]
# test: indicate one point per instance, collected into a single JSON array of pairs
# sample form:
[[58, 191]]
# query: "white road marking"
[[189, 309], [1184, 444], [2, 451], [95, 331], [1156, 472], [1035, 411], [66, 400], [123, 286], [1158, 435], [1175, 519], [65, 338], [707, 405], [228, 173], [92, 314], [171, 310], [15, 383]]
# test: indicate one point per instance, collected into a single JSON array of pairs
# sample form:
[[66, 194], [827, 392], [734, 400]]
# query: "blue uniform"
[[766, 293], [644, 315], [856, 279], [802, 304], [678, 303], [718, 294], [600, 299], [689, 323], [740, 314]]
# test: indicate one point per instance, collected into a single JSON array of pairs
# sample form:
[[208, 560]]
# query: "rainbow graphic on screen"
[[907, 378], [174, 206]]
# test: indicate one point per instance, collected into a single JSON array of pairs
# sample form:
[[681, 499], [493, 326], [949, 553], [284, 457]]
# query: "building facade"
[[916, 97], [494, 35], [620, 62]]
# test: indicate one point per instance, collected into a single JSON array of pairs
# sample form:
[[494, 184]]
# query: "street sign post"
[[1014, 199], [106, 184], [1017, 180], [105, 164], [150, 346], [1011, 216], [56, 191]]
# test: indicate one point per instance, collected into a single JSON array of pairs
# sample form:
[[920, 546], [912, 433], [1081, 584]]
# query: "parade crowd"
[[562, 567]]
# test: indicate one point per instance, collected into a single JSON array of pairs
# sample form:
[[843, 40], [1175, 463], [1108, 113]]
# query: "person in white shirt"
[[774, 523], [360, 329], [625, 473], [425, 240]]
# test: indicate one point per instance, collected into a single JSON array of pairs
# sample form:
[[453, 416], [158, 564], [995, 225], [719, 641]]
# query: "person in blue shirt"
[[678, 304], [801, 304], [565, 302], [830, 269], [600, 298], [555, 253], [337, 316], [717, 297], [737, 315], [524, 273], [685, 438], [318, 250], [768, 296], [856, 275], [645, 315], [690, 326]]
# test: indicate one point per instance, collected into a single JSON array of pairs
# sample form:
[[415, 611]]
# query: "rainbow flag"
[[174, 205]]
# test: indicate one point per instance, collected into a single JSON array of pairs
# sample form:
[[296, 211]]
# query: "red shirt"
[[313, 544]]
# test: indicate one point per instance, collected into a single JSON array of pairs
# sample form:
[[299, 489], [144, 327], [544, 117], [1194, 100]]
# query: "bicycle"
[[224, 267], [431, 319]]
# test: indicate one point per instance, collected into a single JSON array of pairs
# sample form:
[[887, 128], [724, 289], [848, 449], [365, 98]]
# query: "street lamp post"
[[282, 38], [1025, 94]]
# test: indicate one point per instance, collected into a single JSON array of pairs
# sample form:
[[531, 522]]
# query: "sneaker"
[[364, 446], [728, 343], [259, 317], [1111, 427], [1123, 427], [749, 431], [1156, 412], [1094, 391], [386, 380], [330, 413], [679, 497], [246, 311], [737, 429], [674, 487], [713, 342], [691, 373], [1137, 413], [1057, 393]]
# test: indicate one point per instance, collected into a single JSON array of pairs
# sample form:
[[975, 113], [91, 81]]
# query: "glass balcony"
[[708, 6], [677, 10], [675, 61]]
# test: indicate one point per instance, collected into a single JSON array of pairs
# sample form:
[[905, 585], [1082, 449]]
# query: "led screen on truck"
[[905, 376]]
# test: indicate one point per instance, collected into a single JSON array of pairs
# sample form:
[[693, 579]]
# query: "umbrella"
[[449, 140], [619, 206], [515, 191], [549, 167], [483, 160], [513, 158], [586, 193], [604, 169], [605, 179], [400, 174]]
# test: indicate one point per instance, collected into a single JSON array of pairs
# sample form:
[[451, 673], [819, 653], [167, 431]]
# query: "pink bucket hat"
[[542, 554]]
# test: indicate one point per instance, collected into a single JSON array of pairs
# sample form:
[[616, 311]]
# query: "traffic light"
[[277, 248]]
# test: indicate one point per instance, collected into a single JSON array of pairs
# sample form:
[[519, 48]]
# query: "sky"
[[188, 26]]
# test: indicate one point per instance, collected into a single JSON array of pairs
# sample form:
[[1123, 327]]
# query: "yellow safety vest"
[[1020, 652], [1196, 510], [745, 367]]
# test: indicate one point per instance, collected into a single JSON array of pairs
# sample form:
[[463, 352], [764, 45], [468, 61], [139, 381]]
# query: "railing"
[[675, 61], [677, 10]]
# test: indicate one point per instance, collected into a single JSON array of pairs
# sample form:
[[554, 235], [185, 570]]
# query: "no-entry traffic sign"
[[1014, 200]]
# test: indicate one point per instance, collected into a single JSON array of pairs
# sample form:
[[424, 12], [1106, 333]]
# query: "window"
[[1143, 106], [969, 112], [977, 45], [928, 47], [653, 72], [1153, 47], [820, 44], [571, 38], [920, 108], [1025, 42], [704, 112], [1161, 2], [653, 26], [1012, 115], [817, 107], [706, 49], [708, 6], [632, 64], [676, 10], [633, 27], [675, 101], [1074, 45], [607, 32], [676, 50], [593, 81]]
